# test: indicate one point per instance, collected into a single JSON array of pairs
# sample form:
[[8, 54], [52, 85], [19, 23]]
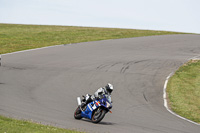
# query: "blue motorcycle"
[[96, 110]]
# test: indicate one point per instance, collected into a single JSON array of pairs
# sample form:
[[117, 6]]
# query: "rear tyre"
[[77, 113], [98, 115]]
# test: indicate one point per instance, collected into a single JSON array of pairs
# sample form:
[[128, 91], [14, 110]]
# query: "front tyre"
[[98, 115], [77, 113]]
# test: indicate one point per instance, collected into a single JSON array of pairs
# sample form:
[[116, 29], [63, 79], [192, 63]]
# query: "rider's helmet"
[[109, 88]]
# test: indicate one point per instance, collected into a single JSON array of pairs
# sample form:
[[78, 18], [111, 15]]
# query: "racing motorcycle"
[[96, 110]]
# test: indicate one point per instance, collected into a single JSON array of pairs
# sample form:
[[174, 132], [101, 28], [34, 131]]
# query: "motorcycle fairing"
[[89, 109]]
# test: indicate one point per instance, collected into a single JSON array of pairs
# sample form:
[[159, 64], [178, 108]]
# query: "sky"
[[167, 15]]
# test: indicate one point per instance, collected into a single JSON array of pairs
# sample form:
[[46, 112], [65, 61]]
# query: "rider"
[[104, 90]]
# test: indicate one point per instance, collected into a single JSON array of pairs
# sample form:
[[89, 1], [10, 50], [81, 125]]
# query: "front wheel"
[[98, 115], [77, 113]]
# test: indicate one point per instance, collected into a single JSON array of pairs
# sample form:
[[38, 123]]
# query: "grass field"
[[21, 37], [8, 125], [184, 91]]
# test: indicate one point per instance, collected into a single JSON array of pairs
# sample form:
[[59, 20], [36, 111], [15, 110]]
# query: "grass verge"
[[8, 125], [15, 37], [184, 91]]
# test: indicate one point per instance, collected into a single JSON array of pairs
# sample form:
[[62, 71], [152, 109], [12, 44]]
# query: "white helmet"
[[109, 88]]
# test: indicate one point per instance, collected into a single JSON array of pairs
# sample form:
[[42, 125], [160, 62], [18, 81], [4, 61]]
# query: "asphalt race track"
[[42, 85]]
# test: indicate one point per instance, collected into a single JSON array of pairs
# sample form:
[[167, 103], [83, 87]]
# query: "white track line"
[[165, 101], [195, 58], [1, 55], [33, 49]]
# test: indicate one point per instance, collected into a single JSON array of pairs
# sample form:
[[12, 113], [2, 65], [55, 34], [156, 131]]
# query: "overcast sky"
[[170, 15]]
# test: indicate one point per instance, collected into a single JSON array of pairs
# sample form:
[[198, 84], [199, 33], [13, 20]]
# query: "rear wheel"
[[77, 113], [98, 115]]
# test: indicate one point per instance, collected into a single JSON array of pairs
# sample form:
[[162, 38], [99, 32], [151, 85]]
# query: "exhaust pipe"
[[79, 101]]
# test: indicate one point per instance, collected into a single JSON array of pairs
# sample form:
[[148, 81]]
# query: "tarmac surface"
[[42, 85]]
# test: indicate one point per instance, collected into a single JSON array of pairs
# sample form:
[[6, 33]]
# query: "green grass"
[[15, 37], [184, 91], [8, 125]]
